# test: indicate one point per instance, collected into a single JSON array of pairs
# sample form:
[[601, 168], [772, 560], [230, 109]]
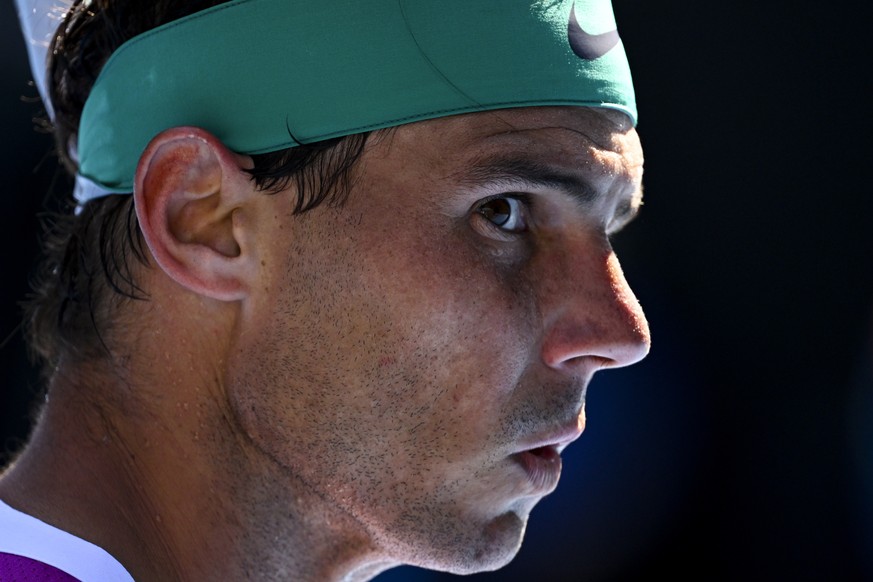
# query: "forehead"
[[597, 124], [598, 145], [573, 135]]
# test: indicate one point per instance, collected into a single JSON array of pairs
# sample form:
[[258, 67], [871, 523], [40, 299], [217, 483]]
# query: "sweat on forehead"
[[336, 68]]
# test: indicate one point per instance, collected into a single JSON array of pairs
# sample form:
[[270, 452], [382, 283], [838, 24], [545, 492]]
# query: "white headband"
[[40, 20]]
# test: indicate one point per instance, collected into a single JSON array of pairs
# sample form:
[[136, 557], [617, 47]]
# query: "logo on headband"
[[589, 46]]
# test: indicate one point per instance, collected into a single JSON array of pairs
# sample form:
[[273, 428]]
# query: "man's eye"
[[507, 214]]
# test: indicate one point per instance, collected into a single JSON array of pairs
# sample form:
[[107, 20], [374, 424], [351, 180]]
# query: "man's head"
[[415, 352], [423, 352], [446, 60]]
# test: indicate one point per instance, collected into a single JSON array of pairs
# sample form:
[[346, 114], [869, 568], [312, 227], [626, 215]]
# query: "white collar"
[[24, 535]]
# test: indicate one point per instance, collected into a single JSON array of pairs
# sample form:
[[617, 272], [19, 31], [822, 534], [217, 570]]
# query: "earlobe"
[[189, 192]]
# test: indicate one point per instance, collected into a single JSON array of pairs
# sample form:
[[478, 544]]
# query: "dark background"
[[742, 448]]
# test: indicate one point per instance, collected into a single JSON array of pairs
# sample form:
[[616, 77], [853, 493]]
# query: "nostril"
[[601, 346], [593, 315]]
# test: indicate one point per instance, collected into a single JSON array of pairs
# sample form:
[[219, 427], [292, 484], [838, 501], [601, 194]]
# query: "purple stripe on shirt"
[[20, 569]]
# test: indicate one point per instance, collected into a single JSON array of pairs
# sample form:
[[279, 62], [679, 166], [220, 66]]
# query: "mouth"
[[542, 465], [541, 457]]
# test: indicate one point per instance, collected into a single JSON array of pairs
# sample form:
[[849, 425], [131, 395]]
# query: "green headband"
[[264, 75]]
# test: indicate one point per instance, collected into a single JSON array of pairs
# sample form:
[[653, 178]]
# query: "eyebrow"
[[525, 172]]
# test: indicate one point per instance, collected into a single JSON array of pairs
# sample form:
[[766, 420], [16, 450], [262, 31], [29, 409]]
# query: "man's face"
[[419, 356]]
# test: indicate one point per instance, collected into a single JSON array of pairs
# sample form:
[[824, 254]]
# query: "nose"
[[589, 311]]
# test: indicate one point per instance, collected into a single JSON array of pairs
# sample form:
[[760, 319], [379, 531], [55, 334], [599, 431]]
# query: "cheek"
[[392, 352], [459, 326]]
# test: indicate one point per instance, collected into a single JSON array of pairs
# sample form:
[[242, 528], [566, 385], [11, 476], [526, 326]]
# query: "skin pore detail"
[[408, 350]]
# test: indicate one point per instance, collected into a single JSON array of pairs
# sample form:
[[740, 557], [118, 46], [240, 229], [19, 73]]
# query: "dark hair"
[[91, 256]]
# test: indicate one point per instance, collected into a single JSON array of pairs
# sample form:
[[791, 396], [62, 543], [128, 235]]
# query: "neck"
[[162, 477]]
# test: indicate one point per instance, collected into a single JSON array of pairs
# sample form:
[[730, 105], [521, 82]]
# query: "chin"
[[495, 547]]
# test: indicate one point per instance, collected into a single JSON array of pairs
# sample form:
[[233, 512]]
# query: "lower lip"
[[543, 467]]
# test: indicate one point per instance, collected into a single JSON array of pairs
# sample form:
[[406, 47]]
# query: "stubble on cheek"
[[384, 381], [457, 499]]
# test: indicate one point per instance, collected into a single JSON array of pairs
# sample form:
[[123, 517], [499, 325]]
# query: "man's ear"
[[191, 197]]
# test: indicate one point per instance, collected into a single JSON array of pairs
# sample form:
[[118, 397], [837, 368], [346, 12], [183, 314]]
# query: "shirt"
[[32, 550]]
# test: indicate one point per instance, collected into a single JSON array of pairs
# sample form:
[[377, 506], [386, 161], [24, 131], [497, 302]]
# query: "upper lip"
[[557, 438]]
